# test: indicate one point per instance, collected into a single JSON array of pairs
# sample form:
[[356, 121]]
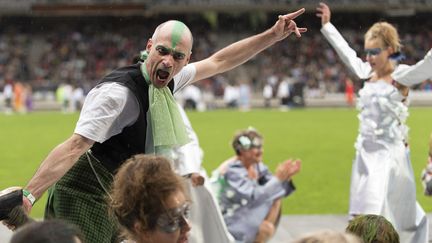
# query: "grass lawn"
[[322, 138]]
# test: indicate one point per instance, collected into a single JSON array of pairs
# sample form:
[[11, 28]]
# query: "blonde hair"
[[328, 236], [386, 33]]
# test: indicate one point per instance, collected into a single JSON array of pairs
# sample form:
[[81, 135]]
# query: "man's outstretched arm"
[[243, 50], [56, 164]]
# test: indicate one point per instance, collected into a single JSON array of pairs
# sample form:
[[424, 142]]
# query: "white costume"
[[206, 218], [382, 179]]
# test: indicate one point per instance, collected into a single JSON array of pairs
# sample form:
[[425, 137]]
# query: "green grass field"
[[322, 138]]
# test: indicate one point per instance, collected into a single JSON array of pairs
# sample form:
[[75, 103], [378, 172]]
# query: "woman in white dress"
[[382, 180]]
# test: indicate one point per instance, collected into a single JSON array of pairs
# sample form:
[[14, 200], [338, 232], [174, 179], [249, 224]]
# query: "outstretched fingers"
[[302, 30], [293, 15], [294, 166], [286, 25], [292, 26]]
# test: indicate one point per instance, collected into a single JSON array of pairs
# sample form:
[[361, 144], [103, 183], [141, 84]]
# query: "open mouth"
[[162, 75]]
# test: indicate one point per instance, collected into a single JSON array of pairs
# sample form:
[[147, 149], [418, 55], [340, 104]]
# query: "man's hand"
[[14, 212], [252, 173], [323, 12], [197, 179], [286, 25], [287, 169]]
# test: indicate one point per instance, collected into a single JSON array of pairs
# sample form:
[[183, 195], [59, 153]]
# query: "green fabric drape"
[[167, 124]]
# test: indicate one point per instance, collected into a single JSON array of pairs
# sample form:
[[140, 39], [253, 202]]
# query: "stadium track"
[[291, 226]]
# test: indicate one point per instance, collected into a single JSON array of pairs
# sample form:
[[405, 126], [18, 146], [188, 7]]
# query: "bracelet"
[[29, 196]]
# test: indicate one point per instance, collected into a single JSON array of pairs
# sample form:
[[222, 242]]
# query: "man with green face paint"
[[132, 111]]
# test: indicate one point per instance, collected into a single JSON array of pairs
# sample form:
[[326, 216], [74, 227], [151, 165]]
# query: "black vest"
[[114, 151]]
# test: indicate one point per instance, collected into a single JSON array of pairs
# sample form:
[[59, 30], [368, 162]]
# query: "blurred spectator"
[[283, 92], [208, 95], [373, 229], [328, 236], [64, 94], [427, 172], [267, 94], [54, 53], [231, 95], [28, 97], [18, 97], [8, 96], [191, 97], [249, 194], [77, 98], [48, 231], [244, 95], [349, 92]]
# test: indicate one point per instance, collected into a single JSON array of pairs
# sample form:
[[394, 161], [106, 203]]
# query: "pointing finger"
[[293, 15]]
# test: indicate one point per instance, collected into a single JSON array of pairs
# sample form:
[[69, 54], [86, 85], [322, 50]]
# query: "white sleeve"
[[411, 75], [107, 109], [184, 77], [348, 56]]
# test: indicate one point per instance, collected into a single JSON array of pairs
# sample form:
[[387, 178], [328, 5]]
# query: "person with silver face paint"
[[150, 201], [132, 111], [248, 193]]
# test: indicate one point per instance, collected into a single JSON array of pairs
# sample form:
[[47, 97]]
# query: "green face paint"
[[177, 33]]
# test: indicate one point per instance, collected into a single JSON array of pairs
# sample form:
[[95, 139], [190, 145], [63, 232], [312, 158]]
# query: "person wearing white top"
[[132, 111], [382, 180], [205, 215], [8, 96]]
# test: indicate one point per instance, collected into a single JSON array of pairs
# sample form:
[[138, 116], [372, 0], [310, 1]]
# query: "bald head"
[[177, 31], [169, 50]]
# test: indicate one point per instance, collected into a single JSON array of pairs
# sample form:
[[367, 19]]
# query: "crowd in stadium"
[[132, 111], [47, 55]]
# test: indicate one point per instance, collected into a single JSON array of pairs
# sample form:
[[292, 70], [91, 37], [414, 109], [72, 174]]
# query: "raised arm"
[[348, 56], [56, 164], [243, 50], [415, 74]]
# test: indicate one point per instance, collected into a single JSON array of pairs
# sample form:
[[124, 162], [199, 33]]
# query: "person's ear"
[[149, 45], [188, 57], [137, 228], [390, 50], [140, 232]]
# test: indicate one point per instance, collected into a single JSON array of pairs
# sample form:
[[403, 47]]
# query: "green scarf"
[[168, 128]]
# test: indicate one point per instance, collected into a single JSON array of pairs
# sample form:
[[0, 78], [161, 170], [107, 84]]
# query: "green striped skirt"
[[79, 198]]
